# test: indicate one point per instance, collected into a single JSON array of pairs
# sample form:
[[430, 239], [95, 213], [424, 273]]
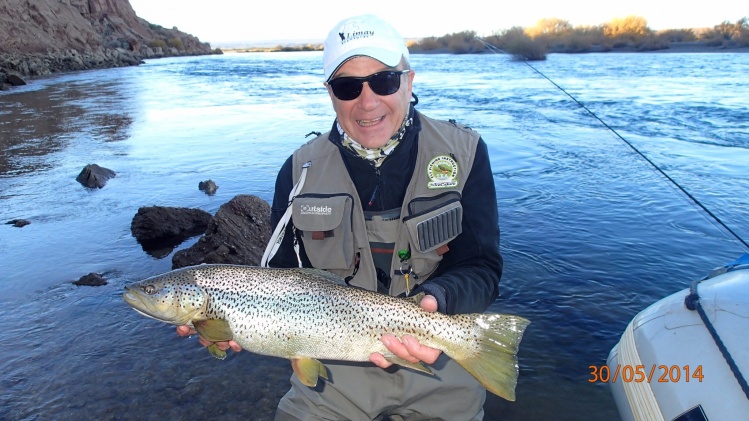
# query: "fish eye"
[[149, 289]]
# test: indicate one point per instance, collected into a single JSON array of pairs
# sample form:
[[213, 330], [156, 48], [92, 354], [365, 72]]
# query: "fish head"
[[173, 297]]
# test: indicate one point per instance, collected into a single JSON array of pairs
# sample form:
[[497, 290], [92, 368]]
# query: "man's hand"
[[408, 347], [187, 331]]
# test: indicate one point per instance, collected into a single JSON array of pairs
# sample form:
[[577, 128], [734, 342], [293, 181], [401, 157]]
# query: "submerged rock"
[[94, 176], [91, 280], [237, 234], [160, 229], [208, 187]]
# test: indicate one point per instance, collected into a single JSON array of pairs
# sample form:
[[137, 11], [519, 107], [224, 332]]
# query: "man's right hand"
[[224, 345]]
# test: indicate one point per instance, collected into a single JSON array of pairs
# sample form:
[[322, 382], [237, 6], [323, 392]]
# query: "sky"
[[280, 21]]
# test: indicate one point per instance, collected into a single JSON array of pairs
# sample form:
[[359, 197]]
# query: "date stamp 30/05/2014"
[[660, 373]]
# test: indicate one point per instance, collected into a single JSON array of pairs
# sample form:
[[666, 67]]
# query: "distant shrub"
[[411, 44], [738, 33], [176, 43], [728, 34], [558, 35], [652, 43], [289, 48], [619, 42], [509, 36], [456, 43], [458, 47], [576, 42], [465, 36], [678, 35], [630, 28], [551, 27], [157, 43], [742, 35], [429, 44], [526, 48]]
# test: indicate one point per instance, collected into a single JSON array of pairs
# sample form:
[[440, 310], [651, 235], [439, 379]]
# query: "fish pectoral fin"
[[214, 330], [400, 361], [308, 370], [416, 298], [216, 352]]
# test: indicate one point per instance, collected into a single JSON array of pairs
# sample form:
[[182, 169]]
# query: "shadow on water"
[[36, 123]]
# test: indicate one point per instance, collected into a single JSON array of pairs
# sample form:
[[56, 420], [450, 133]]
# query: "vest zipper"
[[376, 189]]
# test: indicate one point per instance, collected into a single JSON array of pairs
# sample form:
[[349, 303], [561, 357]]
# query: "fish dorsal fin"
[[308, 370], [214, 330], [324, 274], [400, 361]]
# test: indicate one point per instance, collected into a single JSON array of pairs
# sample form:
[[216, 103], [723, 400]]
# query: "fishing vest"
[[337, 237]]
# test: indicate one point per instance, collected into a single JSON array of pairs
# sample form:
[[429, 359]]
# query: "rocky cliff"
[[39, 37]]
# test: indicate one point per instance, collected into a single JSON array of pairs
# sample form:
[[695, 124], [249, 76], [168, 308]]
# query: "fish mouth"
[[142, 305], [159, 309]]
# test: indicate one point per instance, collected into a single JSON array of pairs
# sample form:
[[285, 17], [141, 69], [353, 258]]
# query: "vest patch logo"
[[316, 210], [442, 172]]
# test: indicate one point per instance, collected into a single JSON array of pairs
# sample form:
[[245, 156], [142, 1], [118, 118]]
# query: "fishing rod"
[[497, 50]]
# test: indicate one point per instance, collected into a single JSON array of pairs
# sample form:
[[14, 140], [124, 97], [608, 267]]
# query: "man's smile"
[[367, 123]]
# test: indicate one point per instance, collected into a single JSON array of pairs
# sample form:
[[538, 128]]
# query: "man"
[[394, 202]]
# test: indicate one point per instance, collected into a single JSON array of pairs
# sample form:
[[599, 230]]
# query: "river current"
[[591, 232]]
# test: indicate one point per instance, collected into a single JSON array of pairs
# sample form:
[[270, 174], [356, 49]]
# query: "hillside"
[[39, 37]]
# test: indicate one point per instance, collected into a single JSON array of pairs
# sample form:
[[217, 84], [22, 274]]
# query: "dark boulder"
[[91, 280], [18, 223], [159, 229], [208, 187], [237, 234], [94, 176], [15, 80]]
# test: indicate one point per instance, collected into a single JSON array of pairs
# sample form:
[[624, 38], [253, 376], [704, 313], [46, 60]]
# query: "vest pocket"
[[437, 222], [326, 224], [436, 225]]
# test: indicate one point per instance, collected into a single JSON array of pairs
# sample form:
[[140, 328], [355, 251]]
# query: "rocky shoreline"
[[14, 67], [40, 37]]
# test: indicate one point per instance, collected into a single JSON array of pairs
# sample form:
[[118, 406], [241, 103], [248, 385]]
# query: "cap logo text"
[[351, 32]]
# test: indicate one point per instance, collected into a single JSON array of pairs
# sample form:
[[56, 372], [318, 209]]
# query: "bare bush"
[[678, 35], [632, 28]]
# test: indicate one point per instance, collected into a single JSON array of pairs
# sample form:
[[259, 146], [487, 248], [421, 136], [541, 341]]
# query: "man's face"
[[371, 119]]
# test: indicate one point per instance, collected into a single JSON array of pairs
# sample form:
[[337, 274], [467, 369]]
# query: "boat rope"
[[497, 50], [692, 302]]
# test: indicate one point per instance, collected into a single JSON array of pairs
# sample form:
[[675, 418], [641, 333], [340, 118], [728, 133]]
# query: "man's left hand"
[[408, 347]]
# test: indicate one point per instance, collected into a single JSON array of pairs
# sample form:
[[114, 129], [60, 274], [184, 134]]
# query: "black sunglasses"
[[384, 83]]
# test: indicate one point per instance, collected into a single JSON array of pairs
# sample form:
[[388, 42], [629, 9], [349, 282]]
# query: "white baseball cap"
[[364, 35]]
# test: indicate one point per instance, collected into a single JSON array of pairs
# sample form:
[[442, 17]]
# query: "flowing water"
[[591, 234]]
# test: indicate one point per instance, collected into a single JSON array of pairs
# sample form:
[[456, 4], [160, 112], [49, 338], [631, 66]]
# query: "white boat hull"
[[667, 364]]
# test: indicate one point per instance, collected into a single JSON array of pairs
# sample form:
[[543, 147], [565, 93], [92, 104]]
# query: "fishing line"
[[497, 50]]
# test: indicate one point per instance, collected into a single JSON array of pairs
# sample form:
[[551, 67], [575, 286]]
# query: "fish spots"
[[287, 312]]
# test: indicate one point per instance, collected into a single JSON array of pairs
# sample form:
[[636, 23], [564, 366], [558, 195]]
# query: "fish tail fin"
[[495, 364]]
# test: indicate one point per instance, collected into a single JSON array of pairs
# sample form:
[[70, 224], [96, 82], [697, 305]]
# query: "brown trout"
[[308, 314]]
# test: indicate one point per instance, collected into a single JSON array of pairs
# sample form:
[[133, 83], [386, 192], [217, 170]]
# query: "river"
[[591, 232]]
